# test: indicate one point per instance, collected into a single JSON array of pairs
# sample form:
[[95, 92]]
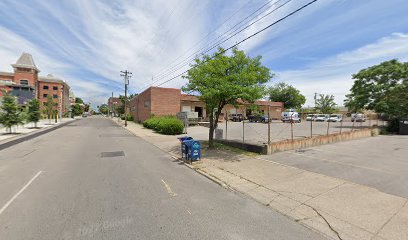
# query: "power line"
[[188, 59], [245, 39], [228, 38]]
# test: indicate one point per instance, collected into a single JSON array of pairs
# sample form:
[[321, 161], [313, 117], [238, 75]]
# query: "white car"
[[321, 118], [335, 118], [358, 117], [310, 117]]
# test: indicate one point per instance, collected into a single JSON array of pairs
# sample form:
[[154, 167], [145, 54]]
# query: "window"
[[146, 104], [55, 96], [45, 95], [55, 88], [45, 87], [24, 82]]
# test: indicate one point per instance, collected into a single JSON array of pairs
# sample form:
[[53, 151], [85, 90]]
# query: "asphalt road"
[[380, 162], [94, 180]]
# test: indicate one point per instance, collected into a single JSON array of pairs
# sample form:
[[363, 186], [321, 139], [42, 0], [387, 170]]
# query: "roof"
[[51, 78], [6, 74], [188, 97], [25, 61]]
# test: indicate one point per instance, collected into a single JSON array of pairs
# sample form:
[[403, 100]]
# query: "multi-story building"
[[26, 84]]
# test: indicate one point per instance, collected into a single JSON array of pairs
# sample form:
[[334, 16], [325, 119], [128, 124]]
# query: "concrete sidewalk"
[[338, 208], [26, 128]]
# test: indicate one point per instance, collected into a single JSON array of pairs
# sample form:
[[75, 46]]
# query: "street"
[[94, 180]]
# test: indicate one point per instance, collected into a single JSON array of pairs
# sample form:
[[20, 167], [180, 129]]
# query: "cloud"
[[332, 75]]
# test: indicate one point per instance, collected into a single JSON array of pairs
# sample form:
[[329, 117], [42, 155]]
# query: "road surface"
[[94, 180]]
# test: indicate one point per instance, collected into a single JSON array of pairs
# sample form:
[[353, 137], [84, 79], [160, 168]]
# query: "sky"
[[88, 42]]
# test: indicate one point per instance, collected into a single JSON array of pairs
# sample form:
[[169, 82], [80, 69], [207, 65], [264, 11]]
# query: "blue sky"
[[87, 42]]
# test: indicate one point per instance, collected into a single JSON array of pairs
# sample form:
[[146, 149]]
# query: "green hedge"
[[129, 117], [168, 125]]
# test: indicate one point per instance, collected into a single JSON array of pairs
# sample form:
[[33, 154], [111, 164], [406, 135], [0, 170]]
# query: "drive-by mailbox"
[[183, 146], [193, 150]]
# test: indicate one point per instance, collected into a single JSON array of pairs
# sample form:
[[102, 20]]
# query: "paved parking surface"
[[380, 162], [257, 133]]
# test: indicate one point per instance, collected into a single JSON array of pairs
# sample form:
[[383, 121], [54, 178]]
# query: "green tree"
[[221, 79], [49, 107], [10, 114], [34, 113], [290, 96], [79, 100], [382, 88], [76, 109], [104, 109], [326, 104]]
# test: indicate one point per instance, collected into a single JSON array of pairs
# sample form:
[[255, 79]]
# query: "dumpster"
[[193, 150], [403, 127], [183, 146]]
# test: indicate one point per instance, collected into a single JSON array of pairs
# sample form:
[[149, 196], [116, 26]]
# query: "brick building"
[[169, 101], [113, 104], [25, 83]]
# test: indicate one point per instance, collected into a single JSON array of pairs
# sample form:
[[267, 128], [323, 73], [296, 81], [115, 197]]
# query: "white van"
[[335, 118], [358, 117], [290, 117]]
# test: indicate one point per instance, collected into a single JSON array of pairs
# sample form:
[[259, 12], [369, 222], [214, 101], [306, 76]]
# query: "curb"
[[29, 136]]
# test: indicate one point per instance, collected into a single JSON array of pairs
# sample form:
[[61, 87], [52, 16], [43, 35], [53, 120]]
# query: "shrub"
[[129, 117], [168, 125]]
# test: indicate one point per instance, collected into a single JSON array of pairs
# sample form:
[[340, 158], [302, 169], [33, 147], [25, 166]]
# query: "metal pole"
[[269, 126], [243, 130], [112, 106], [328, 127], [341, 123], [291, 127], [311, 128], [226, 124]]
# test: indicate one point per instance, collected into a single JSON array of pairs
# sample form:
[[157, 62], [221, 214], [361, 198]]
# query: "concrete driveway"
[[379, 162]]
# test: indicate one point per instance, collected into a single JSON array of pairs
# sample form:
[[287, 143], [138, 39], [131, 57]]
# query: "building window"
[[146, 104], [45, 87], [55, 96], [55, 88], [24, 82], [45, 95]]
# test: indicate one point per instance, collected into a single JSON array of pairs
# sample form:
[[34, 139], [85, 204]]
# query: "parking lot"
[[380, 162], [257, 133]]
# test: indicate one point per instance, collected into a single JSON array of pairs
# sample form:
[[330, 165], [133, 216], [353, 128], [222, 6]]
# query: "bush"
[[168, 125], [129, 117]]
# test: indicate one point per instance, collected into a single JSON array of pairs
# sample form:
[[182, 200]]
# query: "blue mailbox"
[[193, 150], [183, 145]]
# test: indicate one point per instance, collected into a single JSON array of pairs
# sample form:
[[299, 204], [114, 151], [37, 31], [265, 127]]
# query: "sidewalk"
[[21, 130], [334, 207]]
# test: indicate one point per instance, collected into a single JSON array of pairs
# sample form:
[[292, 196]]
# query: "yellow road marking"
[[168, 188]]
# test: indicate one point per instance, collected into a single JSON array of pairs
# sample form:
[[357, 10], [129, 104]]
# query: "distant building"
[[25, 84], [113, 104], [169, 101]]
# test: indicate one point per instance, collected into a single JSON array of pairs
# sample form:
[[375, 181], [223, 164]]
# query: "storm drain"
[[112, 154]]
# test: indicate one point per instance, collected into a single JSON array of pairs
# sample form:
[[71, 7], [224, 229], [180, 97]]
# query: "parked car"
[[358, 117], [290, 117], [310, 117], [258, 118], [85, 114], [321, 117], [335, 118], [236, 117]]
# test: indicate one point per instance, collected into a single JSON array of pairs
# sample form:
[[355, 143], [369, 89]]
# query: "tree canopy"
[[325, 104], [104, 109], [290, 96], [382, 88], [221, 79], [10, 113], [34, 113]]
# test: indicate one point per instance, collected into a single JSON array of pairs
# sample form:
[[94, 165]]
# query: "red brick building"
[[26, 84], [169, 101]]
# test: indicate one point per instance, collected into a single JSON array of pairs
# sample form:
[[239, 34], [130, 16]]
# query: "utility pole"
[[111, 107], [126, 75]]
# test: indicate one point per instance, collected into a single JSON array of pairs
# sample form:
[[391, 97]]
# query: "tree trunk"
[[211, 132]]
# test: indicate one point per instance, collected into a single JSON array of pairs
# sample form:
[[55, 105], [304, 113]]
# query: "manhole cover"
[[112, 154]]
